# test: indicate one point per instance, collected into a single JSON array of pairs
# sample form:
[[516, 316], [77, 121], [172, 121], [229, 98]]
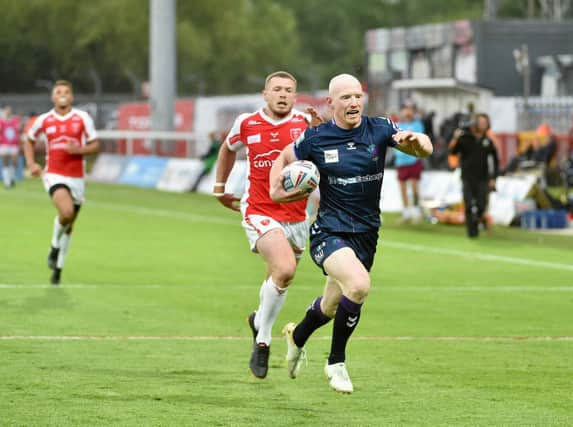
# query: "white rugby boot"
[[338, 377], [295, 355]]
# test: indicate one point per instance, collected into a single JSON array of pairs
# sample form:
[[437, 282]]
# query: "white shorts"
[[9, 150], [77, 186], [257, 225]]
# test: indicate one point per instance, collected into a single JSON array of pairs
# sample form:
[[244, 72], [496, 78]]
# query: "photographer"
[[479, 165]]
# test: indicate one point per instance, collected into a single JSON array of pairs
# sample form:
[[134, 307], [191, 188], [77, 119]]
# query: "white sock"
[[64, 245], [257, 320], [6, 175], [59, 230], [272, 300]]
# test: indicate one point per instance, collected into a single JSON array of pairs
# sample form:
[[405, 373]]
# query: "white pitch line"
[[478, 255], [164, 213], [404, 289], [241, 338], [142, 210], [388, 243]]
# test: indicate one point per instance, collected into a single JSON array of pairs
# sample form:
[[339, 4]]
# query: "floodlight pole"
[[162, 64], [526, 74]]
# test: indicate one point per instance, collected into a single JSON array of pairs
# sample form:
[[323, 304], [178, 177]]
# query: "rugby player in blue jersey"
[[349, 151]]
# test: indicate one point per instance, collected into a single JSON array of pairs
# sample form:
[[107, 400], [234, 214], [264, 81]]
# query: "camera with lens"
[[466, 122]]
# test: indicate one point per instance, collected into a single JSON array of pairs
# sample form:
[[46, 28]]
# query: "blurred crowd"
[[13, 128]]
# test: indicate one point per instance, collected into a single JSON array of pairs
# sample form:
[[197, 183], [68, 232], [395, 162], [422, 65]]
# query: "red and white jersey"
[[10, 131], [76, 127], [264, 139]]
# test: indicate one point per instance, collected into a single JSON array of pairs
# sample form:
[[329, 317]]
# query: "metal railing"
[[160, 143], [557, 112]]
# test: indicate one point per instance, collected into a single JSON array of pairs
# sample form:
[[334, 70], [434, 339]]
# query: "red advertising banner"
[[137, 116]]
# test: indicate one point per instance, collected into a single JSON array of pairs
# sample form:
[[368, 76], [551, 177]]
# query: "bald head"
[[345, 99], [342, 81]]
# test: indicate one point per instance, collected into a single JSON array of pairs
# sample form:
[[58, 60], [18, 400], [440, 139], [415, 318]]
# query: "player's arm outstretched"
[[414, 143], [276, 190], [225, 161]]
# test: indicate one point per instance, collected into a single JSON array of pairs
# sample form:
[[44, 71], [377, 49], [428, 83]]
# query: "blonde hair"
[[283, 74]]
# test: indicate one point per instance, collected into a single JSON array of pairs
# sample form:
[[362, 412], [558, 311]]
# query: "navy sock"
[[313, 319], [345, 321]]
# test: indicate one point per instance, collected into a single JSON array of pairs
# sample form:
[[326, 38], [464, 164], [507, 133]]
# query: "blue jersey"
[[403, 159], [351, 166]]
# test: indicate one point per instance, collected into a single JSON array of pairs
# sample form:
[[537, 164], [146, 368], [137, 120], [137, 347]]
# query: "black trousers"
[[476, 193]]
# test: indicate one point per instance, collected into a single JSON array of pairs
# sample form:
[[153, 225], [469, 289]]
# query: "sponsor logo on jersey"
[[62, 142], [265, 160], [351, 145], [51, 129], [356, 179], [331, 156], [254, 139], [297, 120], [274, 136], [254, 123]]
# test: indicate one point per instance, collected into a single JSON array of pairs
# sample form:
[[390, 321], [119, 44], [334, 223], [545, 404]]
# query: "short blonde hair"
[[283, 74]]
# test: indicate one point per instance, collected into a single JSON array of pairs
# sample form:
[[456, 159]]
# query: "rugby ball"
[[301, 175]]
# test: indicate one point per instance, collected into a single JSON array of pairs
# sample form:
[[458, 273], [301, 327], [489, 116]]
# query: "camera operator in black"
[[480, 165]]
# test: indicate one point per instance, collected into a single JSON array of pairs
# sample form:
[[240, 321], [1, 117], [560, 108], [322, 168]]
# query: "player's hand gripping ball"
[[301, 175]]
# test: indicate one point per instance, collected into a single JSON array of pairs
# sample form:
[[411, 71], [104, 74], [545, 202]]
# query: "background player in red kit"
[[278, 232], [9, 145], [69, 134]]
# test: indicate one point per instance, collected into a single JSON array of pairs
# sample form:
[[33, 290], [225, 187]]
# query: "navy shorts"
[[324, 243]]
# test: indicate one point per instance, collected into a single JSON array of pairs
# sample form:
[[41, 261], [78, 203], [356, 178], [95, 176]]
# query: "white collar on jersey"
[[64, 117], [278, 122]]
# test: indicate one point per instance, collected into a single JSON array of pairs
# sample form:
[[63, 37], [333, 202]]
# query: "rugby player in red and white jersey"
[[278, 232], [69, 134]]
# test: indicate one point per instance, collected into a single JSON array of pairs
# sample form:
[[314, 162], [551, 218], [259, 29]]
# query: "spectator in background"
[[427, 120], [409, 167], [10, 126], [210, 157], [479, 167], [539, 151], [70, 135]]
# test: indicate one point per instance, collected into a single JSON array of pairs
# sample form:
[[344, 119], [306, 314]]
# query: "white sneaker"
[[416, 214], [295, 355], [338, 376]]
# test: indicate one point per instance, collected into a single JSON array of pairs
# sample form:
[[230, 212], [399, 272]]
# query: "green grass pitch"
[[148, 326]]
